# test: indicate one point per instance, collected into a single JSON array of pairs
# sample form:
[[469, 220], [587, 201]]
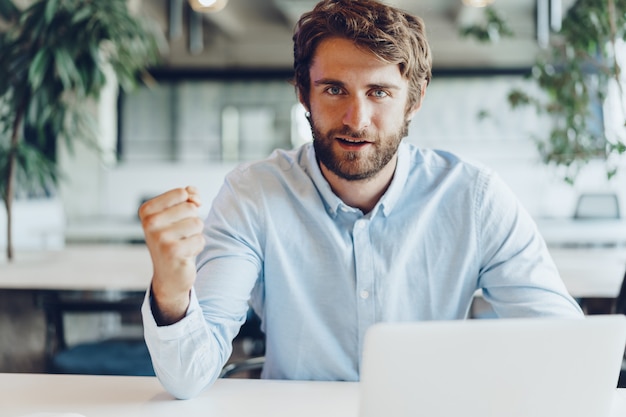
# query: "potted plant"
[[54, 54], [581, 89]]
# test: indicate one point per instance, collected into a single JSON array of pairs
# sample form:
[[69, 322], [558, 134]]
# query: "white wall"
[[125, 186], [38, 224]]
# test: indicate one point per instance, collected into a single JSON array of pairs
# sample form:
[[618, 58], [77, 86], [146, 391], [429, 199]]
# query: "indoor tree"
[[53, 58], [576, 74]]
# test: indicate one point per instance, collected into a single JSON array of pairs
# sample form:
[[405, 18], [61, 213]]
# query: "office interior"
[[221, 97]]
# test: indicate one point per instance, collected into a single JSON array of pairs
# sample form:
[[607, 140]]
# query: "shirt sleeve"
[[173, 347], [518, 276], [188, 356]]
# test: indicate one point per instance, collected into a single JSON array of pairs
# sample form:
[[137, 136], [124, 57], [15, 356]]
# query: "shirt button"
[[364, 294]]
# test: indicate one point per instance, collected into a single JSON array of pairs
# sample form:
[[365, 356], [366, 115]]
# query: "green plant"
[[574, 75], [52, 61], [492, 29]]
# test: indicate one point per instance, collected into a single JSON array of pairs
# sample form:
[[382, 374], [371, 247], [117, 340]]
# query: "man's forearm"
[[169, 310]]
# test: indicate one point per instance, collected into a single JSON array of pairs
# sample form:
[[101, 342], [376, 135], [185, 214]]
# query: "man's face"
[[358, 109]]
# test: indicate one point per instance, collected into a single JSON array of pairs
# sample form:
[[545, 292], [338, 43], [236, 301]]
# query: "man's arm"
[[518, 277], [174, 328], [190, 334]]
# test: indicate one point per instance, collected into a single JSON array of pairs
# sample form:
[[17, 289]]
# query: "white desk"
[[591, 272], [596, 266], [95, 396], [565, 231], [80, 268]]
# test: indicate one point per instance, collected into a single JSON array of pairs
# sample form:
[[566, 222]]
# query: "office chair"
[[251, 342], [620, 308], [126, 355], [251, 366], [109, 356], [596, 206]]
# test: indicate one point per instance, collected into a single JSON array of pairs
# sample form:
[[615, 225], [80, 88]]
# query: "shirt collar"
[[333, 203]]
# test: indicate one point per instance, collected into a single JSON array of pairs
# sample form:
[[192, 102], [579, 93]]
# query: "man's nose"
[[357, 115]]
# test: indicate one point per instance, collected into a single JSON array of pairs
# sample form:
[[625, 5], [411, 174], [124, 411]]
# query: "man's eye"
[[333, 91], [380, 93]]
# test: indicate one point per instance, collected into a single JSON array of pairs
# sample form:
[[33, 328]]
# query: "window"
[[206, 120]]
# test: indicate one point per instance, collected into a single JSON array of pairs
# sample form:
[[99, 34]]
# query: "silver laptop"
[[492, 368]]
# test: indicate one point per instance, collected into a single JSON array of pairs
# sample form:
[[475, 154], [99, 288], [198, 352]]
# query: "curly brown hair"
[[391, 34]]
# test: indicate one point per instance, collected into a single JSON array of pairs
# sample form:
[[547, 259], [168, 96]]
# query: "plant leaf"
[[38, 69], [52, 7]]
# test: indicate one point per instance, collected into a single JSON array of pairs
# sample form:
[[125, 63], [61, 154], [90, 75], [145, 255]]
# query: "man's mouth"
[[352, 143]]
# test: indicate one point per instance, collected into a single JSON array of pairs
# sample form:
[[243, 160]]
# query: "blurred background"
[[220, 95]]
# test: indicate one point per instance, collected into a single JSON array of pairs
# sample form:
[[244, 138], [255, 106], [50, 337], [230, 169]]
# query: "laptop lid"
[[492, 368]]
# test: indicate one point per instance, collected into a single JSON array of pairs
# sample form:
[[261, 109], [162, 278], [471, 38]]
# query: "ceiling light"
[[477, 3], [207, 6]]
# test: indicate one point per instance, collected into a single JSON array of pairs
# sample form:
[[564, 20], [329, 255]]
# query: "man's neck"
[[361, 194]]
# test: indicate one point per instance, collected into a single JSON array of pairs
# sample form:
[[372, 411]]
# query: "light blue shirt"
[[319, 272]]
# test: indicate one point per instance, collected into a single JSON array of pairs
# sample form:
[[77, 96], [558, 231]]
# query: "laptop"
[[540, 367]]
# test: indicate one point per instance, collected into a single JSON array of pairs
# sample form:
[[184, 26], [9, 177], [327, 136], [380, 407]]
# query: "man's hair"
[[391, 34]]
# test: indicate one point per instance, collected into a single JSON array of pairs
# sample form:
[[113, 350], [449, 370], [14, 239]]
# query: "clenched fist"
[[174, 238]]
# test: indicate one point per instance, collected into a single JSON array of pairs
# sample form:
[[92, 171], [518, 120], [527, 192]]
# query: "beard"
[[356, 165]]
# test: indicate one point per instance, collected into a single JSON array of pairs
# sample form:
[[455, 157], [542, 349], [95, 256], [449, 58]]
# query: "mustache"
[[346, 131]]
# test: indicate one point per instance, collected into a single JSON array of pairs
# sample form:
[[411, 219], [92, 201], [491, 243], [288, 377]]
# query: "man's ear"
[[418, 104]]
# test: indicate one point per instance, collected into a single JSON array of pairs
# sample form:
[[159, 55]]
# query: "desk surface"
[[106, 396], [80, 267], [564, 231], [591, 272], [587, 272], [94, 396]]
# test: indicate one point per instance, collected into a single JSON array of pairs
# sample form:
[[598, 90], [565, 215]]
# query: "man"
[[353, 229]]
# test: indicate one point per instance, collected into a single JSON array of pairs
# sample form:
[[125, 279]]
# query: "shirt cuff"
[[193, 319]]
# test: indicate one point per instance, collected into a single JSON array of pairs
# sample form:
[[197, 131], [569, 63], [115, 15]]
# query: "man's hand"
[[174, 238]]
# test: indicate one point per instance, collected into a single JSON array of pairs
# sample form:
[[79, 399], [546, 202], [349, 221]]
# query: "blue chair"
[[106, 357], [111, 356]]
